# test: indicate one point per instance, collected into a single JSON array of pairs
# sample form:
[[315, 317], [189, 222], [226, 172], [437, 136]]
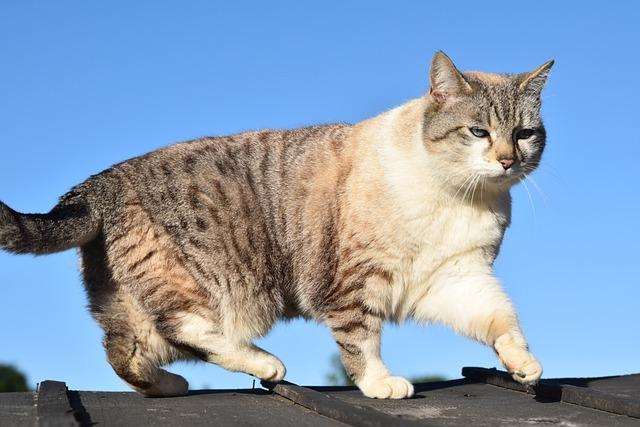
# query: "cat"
[[194, 250]]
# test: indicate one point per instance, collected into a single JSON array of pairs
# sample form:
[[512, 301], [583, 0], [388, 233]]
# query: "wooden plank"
[[17, 409], [337, 409], [52, 405], [582, 396], [219, 408], [497, 378], [599, 400]]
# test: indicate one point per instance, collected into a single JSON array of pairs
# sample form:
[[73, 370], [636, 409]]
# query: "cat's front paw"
[[523, 367], [387, 388], [528, 373]]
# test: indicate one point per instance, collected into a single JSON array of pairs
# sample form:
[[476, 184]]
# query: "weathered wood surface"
[[17, 409], [52, 405], [466, 402], [255, 407], [612, 394], [486, 397], [336, 409]]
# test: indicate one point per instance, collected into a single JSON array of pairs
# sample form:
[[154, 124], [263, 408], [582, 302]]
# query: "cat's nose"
[[506, 163]]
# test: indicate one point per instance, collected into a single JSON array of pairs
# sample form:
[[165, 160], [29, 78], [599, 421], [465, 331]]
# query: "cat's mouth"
[[509, 176]]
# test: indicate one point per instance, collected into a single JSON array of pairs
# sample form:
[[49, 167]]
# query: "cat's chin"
[[504, 181]]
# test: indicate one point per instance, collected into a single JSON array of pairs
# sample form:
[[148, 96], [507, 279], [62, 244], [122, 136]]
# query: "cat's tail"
[[71, 223]]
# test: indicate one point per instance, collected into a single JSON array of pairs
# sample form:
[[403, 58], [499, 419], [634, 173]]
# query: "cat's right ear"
[[535, 80], [446, 80]]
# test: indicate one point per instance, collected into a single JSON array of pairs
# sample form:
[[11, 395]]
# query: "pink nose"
[[506, 163]]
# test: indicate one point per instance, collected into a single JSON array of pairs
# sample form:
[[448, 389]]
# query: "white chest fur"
[[430, 226], [451, 231], [447, 233]]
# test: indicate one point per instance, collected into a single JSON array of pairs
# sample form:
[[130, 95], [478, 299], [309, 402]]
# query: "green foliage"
[[338, 376], [11, 379]]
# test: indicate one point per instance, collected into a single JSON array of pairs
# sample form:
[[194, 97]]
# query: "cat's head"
[[484, 127]]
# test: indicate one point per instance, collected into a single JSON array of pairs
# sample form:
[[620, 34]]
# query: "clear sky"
[[84, 85]]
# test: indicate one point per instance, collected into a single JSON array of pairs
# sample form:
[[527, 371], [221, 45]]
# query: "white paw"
[[269, 368], [528, 373], [523, 367], [387, 388]]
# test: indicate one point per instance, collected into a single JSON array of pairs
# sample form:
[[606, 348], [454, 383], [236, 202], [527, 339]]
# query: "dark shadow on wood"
[[251, 391], [425, 387], [418, 387], [79, 411]]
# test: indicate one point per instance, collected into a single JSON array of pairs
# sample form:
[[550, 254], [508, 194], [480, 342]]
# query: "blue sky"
[[84, 85]]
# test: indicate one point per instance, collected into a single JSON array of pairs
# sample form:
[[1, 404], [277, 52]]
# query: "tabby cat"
[[194, 250]]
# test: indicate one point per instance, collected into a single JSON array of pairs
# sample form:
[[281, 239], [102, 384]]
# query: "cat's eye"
[[524, 134], [479, 132]]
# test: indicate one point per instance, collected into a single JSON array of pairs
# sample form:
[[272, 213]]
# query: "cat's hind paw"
[[165, 384], [387, 388], [269, 368]]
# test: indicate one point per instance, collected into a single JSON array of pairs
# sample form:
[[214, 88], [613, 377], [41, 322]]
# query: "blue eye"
[[478, 132]]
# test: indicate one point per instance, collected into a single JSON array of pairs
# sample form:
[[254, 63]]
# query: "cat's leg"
[[357, 331], [470, 300], [136, 351], [231, 349], [189, 312], [133, 345], [219, 332]]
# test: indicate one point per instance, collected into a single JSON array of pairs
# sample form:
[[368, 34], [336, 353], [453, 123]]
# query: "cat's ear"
[[446, 80], [535, 80]]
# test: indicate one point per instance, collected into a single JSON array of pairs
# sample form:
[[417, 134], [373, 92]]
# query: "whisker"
[[545, 199], [543, 167], [462, 185], [475, 185], [467, 187], [554, 171], [468, 190], [535, 217]]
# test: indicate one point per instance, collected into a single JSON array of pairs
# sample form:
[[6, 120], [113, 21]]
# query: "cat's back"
[[261, 152], [224, 198], [257, 161]]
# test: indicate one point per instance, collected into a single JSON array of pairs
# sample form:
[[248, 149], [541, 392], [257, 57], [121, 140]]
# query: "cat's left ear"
[[535, 80]]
